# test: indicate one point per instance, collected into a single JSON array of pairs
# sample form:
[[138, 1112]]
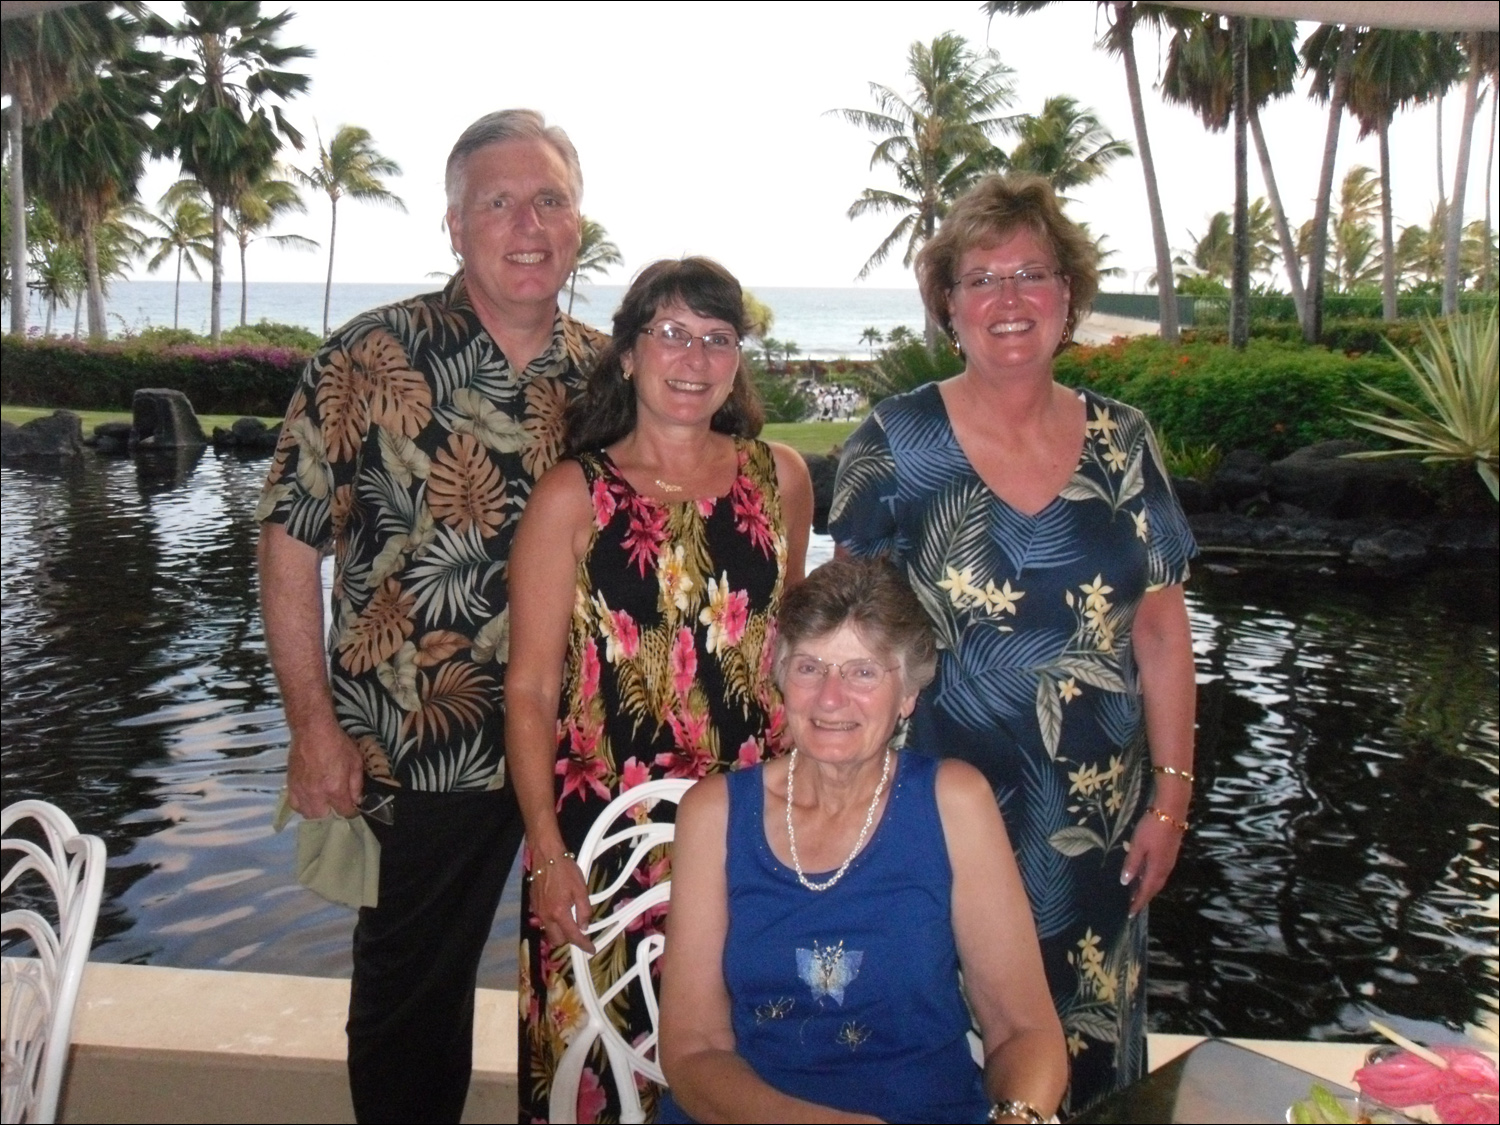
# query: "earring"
[[626, 373]]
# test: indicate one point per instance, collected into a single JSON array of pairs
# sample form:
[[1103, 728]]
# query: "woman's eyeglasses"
[[677, 337], [1033, 279], [861, 677]]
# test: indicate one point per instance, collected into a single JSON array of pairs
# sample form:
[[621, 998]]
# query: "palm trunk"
[[1460, 181], [1489, 175], [1239, 294], [333, 228], [1283, 231], [1312, 323], [572, 285], [1166, 294], [77, 313], [244, 284], [1442, 187], [51, 312], [95, 285], [1387, 233], [216, 299], [931, 333], [177, 291], [18, 260]]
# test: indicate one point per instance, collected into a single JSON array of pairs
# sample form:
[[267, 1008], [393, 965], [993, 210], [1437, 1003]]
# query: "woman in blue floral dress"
[[1039, 528], [645, 582]]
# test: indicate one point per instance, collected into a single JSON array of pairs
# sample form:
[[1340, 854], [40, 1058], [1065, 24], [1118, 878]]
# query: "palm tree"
[[938, 143], [1353, 236], [349, 165], [1392, 70], [184, 229], [1200, 73], [1123, 15], [1419, 252], [870, 337], [58, 266], [1069, 146], [596, 253], [256, 210], [44, 58], [218, 116], [1338, 43], [1482, 55], [86, 157]]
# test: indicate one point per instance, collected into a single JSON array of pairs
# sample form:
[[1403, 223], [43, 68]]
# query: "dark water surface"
[[1343, 862]]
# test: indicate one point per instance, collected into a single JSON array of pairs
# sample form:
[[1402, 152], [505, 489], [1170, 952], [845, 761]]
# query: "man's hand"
[[324, 770]]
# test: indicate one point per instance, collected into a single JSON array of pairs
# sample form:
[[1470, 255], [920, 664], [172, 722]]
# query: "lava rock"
[[822, 469], [1193, 495], [1323, 481], [164, 419], [112, 439], [59, 434], [1243, 476], [1396, 546]]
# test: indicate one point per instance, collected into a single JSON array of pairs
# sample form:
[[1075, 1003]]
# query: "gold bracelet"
[[1180, 825], [531, 878], [1173, 771]]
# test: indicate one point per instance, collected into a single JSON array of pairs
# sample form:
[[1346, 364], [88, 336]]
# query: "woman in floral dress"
[[645, 581], [1039, 529]]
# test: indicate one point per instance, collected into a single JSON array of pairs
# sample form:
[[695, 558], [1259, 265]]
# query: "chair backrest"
[[43, 990], [626, 1060]]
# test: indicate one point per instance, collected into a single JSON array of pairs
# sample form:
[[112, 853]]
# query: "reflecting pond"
[[1343, 861]]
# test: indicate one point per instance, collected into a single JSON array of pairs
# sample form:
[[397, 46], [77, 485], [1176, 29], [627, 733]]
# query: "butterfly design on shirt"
[[851, 1035], [829, 969]]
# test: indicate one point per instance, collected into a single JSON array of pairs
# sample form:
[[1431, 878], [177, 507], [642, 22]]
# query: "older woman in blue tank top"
[[825, 904]]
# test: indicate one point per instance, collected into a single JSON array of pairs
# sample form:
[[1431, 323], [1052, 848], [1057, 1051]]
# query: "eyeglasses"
[[861, 677], [1033, 279], [677, 337]]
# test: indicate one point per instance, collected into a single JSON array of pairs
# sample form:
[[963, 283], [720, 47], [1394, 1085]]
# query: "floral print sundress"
[[669, 674], [1037, 684]]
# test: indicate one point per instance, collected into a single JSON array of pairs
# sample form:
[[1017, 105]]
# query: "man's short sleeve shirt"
[[409, 449]]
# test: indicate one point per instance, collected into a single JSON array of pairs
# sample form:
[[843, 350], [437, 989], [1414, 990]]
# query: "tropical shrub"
[[779, 395], [252, 380], [1184, 459], [908, 365], [276, 335], [1351, 336], [1457, 418]]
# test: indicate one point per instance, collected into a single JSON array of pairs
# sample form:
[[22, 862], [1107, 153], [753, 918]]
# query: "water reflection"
[[1343, 864]]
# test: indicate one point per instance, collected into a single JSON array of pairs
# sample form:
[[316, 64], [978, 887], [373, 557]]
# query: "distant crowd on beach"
[[832, 404]]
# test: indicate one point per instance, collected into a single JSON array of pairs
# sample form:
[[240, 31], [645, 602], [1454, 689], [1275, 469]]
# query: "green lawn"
[[806, 437], [91, 418], [809, 437]]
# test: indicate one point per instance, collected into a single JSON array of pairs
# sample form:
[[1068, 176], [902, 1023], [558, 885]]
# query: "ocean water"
[[823, 323]]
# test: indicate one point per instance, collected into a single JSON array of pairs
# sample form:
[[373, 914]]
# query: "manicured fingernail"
[[1125, 878]]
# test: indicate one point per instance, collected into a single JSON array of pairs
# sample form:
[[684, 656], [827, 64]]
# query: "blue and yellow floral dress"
[[1036, 683]]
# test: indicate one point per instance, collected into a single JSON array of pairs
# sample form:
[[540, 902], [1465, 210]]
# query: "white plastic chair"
[[626, 1060], [43, 990]]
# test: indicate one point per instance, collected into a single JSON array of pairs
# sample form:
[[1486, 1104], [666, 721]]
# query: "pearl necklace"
[[791, 769]]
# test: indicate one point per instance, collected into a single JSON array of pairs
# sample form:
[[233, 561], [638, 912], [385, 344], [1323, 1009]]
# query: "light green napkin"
[[336, 858]]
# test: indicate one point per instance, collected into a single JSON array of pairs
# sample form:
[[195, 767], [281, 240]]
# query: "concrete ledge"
[[155, 1044], [167, 1045]]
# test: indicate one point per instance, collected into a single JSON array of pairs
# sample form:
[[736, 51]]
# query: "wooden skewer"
[[1417, 1049]]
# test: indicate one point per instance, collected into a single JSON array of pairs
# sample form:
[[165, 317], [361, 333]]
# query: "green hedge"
[[1336, 306], [1273, 397], [248, 380], [1355, 337]]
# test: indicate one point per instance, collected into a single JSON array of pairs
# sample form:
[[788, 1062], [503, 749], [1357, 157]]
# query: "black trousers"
[[443, 863]]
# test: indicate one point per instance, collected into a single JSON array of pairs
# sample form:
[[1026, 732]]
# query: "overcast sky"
[[703, 128]]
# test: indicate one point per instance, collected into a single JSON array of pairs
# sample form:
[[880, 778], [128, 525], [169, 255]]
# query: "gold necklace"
[[665, 487]]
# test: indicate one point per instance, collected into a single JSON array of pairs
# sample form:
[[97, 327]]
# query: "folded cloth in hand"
[[336, 858]]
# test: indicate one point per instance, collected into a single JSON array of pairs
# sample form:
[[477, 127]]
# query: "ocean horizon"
[[822, 323]]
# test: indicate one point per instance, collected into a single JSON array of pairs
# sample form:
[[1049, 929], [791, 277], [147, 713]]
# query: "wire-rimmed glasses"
[[677, 337], [1032, 279], [862, 677]]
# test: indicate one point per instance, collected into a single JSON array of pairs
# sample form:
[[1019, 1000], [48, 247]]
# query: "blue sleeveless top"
[[850, 997]]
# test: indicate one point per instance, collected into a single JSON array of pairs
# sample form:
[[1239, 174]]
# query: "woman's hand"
[[1153, 853], [560, 898]]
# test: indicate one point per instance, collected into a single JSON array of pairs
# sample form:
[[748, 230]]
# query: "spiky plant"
[[1458, 375]]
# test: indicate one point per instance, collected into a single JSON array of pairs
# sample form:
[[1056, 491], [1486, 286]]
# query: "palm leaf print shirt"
[[409, 450]]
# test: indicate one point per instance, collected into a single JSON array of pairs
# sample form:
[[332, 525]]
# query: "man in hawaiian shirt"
[[409, 449]]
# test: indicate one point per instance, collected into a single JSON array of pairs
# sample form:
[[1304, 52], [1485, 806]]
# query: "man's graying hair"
[[509, 125]]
